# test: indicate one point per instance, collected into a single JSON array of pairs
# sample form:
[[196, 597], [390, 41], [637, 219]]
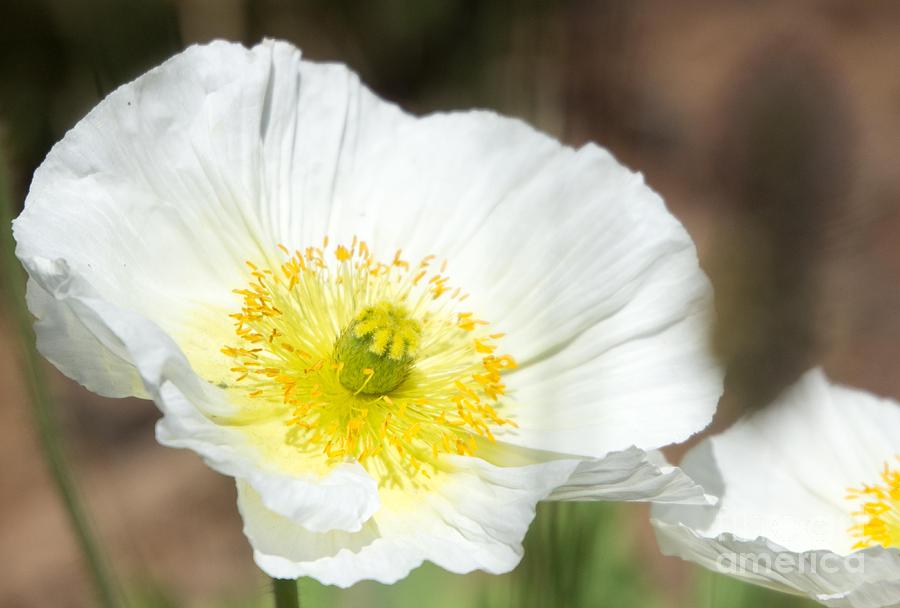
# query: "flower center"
[[878, 518], [367, 360], [377, 350]]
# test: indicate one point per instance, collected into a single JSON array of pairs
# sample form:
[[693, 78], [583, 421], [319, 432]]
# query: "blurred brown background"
[[771, 128]]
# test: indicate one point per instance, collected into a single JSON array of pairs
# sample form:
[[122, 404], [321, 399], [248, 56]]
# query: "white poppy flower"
[[397, 333], [809, 498]]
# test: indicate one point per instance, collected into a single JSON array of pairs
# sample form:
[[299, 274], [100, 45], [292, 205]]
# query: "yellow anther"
[[879, 511]]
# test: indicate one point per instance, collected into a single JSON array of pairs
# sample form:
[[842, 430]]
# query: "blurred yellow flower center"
[[368, 360], [879, 512]]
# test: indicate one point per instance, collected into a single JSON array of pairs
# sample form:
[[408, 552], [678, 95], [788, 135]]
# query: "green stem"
[[286, 593], [42, 406]]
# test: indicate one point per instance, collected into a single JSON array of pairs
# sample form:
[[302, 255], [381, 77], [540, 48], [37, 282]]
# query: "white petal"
[[474, 519], [649, 390], [866, 579], [623, 314], [782, 475], [271, 533], [631, 475], [65, 341], [150, 196], [827, 437]]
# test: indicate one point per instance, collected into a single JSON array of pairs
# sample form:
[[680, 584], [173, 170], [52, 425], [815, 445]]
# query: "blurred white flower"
[[810, 498], [396, 333]]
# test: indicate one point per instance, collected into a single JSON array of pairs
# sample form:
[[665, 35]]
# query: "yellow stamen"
[[368, 360], [878, 516]]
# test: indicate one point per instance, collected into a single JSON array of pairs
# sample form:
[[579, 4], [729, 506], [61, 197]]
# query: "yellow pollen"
[[878, 515], [368, 360]]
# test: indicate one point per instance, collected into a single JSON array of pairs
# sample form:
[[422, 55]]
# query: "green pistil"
[[377, 350]]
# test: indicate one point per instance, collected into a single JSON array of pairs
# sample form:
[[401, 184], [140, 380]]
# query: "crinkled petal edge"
[[869, 578]]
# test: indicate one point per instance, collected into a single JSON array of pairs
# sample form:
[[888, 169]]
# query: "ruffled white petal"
[[66, 342], [631, 475], [150, 197], [783, 476], [474, 519], [276, 535], [624, 312], [865, 579]]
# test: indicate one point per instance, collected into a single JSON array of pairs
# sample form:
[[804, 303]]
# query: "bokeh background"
[[771, 128]]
